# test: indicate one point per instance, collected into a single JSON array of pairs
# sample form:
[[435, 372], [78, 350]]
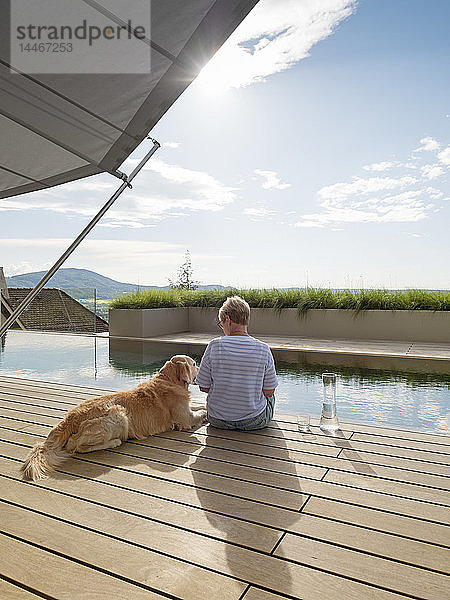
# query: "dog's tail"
[[45, 457]]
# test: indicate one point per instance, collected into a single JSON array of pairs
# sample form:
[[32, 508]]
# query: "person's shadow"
[[251, 500]]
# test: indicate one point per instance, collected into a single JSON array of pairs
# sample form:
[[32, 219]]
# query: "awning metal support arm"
[[23, 305]]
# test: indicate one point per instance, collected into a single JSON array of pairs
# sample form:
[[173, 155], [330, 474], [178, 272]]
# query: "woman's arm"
[[203, 377]]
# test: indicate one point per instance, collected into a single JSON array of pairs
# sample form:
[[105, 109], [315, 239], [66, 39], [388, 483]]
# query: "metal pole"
[[23, 305], [95, 310]]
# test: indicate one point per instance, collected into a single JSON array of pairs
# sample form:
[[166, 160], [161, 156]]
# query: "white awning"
[[56, 128]]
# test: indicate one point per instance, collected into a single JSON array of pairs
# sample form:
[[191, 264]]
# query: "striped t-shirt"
[[236, 369]]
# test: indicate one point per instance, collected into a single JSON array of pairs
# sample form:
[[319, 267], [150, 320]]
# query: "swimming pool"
[[405, 400]]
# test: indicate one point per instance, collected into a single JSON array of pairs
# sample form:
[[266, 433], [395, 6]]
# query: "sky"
[[313, 150]]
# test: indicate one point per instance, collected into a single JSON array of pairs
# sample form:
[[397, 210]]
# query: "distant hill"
[[82, 278]]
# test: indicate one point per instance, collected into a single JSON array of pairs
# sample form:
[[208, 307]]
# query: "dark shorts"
[[258, 422]]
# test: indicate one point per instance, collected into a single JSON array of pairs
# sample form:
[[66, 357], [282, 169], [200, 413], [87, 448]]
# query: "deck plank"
[[29, 418], [22, 383], [9, 423], [403, 579], [8, 591], [61, 578], [374, 542], [378, 430], [257, 594], [50, 397], [379, 521], [387, 486], [33, 409], [25, 399], [402, 443]]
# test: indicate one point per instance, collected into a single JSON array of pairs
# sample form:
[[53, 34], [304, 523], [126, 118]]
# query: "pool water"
[[405, 400]]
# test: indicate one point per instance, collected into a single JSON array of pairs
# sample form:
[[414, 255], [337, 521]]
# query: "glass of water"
[[303, 423]]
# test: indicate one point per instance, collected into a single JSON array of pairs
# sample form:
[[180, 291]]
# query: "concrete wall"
[[413, 326], [404, 325], [148, 322]]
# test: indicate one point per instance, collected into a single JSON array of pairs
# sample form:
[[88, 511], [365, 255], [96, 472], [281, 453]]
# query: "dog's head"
[[180, 368]]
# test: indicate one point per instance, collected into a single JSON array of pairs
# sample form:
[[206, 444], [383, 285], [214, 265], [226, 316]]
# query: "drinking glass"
[[303, 423]]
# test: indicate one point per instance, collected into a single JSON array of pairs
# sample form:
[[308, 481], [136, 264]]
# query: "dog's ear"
[[184, 373], [183, 369]]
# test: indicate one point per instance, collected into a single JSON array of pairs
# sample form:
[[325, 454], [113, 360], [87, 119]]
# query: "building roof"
[[3, 286], [55, 310]]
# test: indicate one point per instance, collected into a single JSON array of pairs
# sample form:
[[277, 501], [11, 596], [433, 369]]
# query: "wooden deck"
[[215, 515]]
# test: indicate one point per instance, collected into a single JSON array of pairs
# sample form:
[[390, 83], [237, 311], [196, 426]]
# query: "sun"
[[212, 79]]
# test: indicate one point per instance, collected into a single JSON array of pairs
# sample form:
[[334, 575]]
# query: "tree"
[[185, 279]]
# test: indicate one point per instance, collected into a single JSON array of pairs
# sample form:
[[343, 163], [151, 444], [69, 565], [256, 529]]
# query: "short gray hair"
[[237, 309]]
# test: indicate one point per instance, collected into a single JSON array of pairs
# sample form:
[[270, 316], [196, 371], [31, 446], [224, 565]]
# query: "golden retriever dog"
[[158, 405]]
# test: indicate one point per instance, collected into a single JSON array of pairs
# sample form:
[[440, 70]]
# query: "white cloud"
[[273, 38], [21, 267], [272, 181], [34, 242], [117, 224], [381, 199], [313, 223], [381, 166], [432, 171], [444, 156], [259, 212], [434, 193], [340, 191], [99, 246], [161, 190], [384, 199], [428, 144], [198, 190], [403, 207], [170, 145]]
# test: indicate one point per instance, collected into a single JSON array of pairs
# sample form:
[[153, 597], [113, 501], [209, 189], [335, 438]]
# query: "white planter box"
[[402, 325]]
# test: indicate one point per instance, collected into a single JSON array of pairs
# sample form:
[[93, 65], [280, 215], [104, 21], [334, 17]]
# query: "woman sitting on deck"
[[238, 373]]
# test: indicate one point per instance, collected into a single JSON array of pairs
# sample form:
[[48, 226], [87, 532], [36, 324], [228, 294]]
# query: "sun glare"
[[213, 79]]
